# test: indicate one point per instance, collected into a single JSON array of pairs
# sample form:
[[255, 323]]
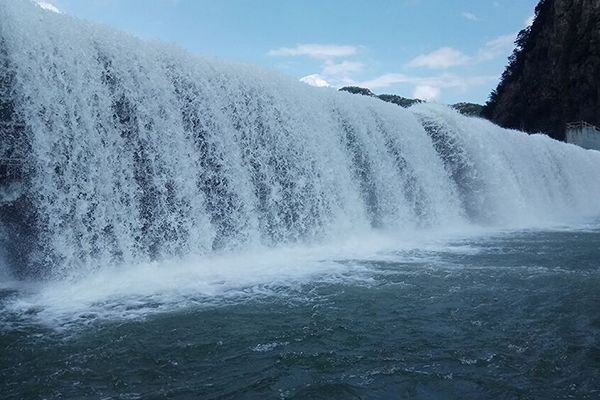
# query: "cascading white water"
[[509, 178], [138, 150]]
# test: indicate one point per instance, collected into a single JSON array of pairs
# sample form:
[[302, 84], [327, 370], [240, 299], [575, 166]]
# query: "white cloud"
[[447, 57], [502, 46], [440, 59], [315, 80], [385, 81], [427, 93], [324, 51], [428, 88], [48, 6], [469, 16], [441, 81], [345, 67]]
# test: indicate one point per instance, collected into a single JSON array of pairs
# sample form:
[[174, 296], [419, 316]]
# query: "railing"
[[582, 124], [8, 124], [13, 162], [11, 168]]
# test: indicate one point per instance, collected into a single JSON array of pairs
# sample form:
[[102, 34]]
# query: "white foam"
[[143, 289]]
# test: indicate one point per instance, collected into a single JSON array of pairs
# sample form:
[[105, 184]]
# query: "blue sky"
[[441, 50]]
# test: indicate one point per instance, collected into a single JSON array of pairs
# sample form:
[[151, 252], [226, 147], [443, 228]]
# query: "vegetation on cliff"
[[470, 109], [552, 77], [358, 90], [399, 100]]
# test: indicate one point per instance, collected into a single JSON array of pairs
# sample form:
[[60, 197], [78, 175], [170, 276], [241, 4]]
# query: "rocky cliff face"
[[554, 74]]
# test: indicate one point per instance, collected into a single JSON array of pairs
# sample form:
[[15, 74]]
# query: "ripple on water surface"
[[505, 316]]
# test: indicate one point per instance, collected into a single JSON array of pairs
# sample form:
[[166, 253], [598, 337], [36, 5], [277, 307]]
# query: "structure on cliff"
[[552, 77], [583, 134]]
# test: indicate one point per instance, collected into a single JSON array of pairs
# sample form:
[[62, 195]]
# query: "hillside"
[[553, 75], [470, 109]]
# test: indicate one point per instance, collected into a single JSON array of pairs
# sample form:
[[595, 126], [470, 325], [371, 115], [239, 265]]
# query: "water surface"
[[512, 315]]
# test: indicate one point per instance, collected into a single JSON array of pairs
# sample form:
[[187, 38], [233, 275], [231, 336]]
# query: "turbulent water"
[[225, 197], [503, 316]]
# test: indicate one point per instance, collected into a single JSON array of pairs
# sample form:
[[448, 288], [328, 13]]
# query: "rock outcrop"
[[553, 76]]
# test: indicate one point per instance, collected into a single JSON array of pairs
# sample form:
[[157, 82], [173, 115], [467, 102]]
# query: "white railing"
[[12, 162], [582, 124]]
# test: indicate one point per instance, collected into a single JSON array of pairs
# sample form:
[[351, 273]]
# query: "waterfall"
[[134, 151]]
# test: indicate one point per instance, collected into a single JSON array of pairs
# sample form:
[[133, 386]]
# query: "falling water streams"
[[154, 182]]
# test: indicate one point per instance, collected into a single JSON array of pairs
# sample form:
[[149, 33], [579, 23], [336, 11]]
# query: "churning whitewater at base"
[[508, 315]]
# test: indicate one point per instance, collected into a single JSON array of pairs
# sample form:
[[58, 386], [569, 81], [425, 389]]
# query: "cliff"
[[553, 76]]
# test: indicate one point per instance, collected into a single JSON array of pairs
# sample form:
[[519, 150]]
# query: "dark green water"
[[511, 316]]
